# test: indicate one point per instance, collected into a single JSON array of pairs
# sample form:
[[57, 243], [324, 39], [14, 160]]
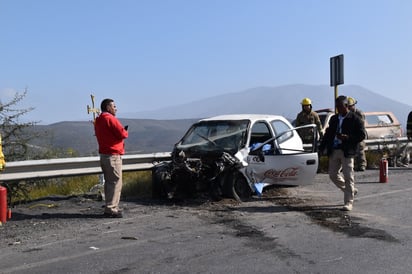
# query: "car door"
[[286, 163]]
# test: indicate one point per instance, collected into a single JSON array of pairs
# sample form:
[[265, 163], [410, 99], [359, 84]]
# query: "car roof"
[[251, 117], [327, 110]]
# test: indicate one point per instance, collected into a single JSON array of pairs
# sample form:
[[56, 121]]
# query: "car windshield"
[[215, 135]]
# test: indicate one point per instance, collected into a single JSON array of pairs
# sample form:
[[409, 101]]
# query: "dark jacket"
[[409, 126], [352, 126]]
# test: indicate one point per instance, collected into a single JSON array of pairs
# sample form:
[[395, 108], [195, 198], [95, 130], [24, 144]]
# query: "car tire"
[[238, 187]]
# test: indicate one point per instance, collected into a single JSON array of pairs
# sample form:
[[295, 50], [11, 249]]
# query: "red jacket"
[[110, 134]]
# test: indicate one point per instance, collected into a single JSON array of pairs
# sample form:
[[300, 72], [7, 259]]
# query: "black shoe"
[[113, 215]]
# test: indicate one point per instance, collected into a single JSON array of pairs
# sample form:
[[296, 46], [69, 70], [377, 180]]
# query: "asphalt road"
[[288, 230]]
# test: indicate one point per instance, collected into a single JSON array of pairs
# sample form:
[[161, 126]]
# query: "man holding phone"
[[341, 140], [110, 135]]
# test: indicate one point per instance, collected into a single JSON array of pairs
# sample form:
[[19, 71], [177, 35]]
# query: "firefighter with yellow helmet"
[[360, 158], [305, 117]]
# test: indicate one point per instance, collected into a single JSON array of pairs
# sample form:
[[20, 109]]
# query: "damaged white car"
[[235, 156]]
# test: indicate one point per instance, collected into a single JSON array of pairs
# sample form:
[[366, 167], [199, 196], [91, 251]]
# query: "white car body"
[[292, 166], [241, 154]]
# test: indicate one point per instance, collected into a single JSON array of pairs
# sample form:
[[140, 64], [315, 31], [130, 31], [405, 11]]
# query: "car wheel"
[[239, 187]]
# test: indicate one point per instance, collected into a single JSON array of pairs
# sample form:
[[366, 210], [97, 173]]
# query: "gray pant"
[[112, 171], [340, 165]]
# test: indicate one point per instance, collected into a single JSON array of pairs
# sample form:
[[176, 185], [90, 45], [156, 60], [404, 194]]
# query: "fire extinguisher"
[[383, 171]]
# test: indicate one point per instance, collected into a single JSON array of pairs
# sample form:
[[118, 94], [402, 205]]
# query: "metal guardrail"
[[396, 146], [51, 168], [377, 144]]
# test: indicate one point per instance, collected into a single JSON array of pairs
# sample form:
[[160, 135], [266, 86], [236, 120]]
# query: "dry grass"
[[373, 158], [135, 184], [323, 164]]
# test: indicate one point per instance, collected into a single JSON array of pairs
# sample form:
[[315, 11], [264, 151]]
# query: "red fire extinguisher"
[[3, 204], [383, 171]]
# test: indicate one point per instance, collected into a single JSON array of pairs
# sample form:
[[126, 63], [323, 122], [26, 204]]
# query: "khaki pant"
[[342, 174], [112, 171], [360, 159]]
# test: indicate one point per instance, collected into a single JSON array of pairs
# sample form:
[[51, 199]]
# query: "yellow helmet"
[[306, 101], [351, 101]]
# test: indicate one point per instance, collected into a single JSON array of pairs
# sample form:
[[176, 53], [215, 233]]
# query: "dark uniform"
[[304, 118], [360, 158]]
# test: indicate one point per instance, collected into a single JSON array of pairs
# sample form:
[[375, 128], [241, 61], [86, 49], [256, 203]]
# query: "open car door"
[[282, 160]]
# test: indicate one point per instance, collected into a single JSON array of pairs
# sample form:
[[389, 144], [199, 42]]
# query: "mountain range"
[[282, 100], [159, 130]]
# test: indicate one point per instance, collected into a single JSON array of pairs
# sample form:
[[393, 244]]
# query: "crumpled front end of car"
[[204, 160], [189, 174]]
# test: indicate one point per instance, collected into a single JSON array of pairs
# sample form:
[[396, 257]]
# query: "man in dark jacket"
[[341, 140]]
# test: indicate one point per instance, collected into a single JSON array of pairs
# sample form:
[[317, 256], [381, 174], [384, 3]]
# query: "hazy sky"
[[156, 53]]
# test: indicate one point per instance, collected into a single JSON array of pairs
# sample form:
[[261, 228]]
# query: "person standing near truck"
[[110, 136], [2, 160], [306, 117], [409, 126], [342, 137], [360, 158]]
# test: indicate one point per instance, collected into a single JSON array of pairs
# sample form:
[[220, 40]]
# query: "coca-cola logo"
[[284, 174]]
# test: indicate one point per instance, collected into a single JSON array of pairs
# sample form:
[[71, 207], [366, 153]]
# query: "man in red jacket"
[[110, 136]]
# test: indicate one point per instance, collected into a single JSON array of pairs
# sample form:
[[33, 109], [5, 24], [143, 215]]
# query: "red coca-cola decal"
[[287, 173]]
